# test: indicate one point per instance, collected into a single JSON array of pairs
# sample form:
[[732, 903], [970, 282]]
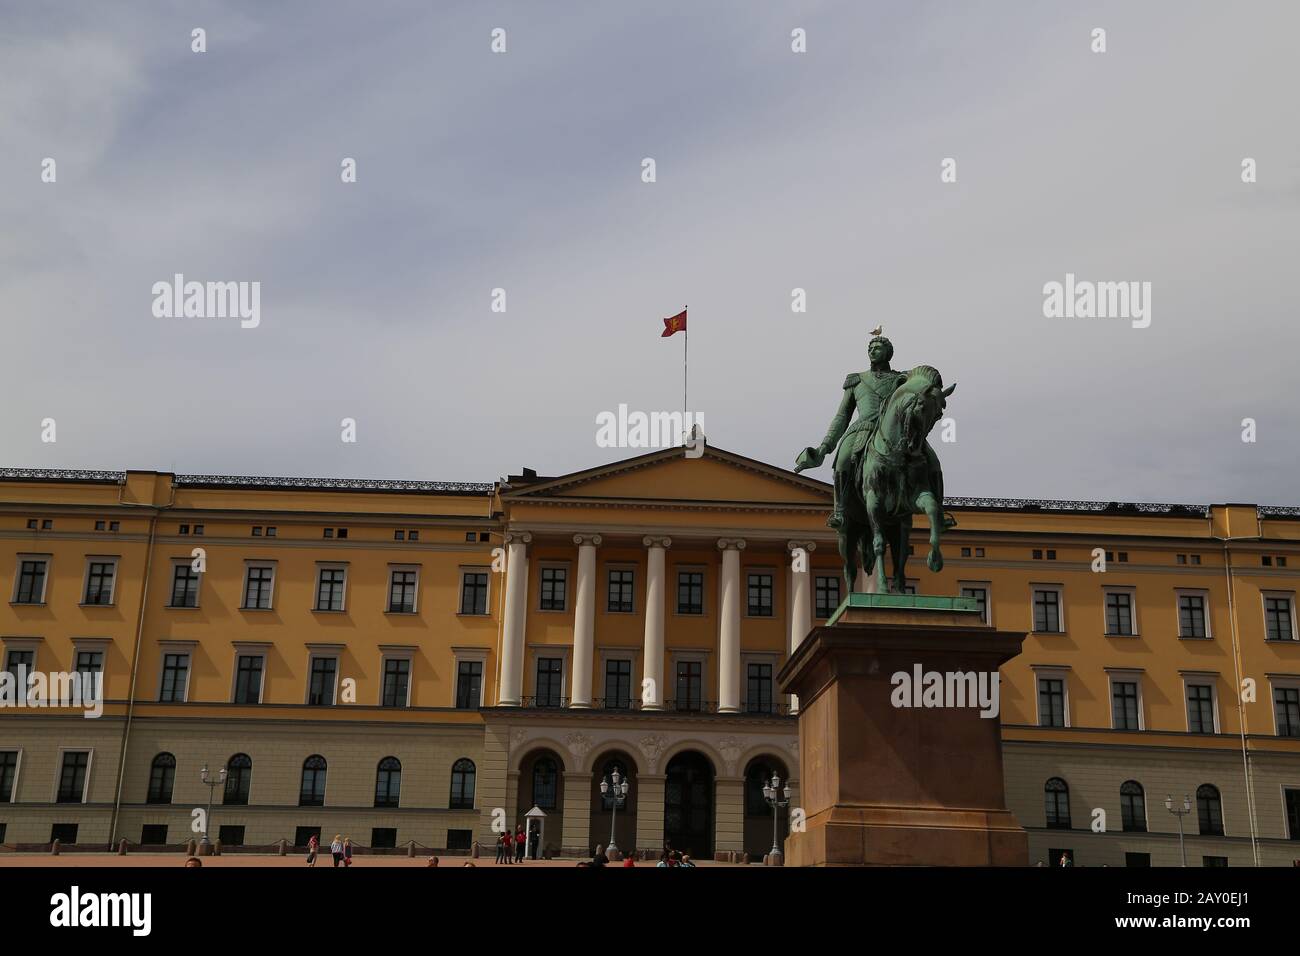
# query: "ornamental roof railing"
[[1106, 507]]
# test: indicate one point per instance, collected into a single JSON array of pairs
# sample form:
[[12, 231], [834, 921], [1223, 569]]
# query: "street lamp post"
[[211, 785], [1180, 812], [776, 798], [615, 787]]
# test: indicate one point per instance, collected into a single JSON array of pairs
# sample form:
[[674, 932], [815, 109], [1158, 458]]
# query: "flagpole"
[[686, 351]]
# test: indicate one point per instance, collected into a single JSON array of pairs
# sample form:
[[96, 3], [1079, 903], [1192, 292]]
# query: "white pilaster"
[[729, 627], [516, 610], [652, 690], [800, 598], [584, 620]]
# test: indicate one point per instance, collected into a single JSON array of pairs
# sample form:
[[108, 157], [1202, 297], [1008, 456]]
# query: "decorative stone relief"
[[578, 744], [653, 747], [731, 748]]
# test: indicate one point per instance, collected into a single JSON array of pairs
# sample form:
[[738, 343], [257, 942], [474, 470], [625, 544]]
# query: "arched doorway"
[[541, 784], [688, 804], [602, 804], [758, 812]]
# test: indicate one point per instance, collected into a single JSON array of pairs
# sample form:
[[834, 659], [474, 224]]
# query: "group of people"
[[511, 847], [669, 857], [340, 850]]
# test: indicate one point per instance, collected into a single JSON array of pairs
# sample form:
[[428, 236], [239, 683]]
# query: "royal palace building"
[[423, 661]]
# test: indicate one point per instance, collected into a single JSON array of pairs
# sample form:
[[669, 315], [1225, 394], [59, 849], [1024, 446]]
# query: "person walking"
[[521, 841], [501, 850], [313, 846], [347, 851], [508, 845], [336, 849]]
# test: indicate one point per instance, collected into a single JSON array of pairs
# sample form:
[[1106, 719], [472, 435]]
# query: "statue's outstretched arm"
[[813, 457]]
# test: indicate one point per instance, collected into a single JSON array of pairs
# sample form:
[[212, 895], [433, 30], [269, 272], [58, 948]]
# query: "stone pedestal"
[[884, 778]]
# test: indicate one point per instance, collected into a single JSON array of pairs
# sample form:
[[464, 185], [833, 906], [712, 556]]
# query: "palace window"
[[620, 598], [312, 791], [690, 678], [760, 595], [8, 772], [690, 592], [1047, 610], [388, 782], [980, 594], [1056, 800], [72, 776], [545, 783], [397, 682], [162, 778], [758, 688], [1286, 709], [239, 780], [1209, 810], [1119, 613], [258, 582], [248, 678], [90, 662], [1279, 624], [175, 675], [1191, 616], [100, 576], [1133, 807], [185, 585], [320, 688], [826, 595], [463, 775], [1200, 708], [555, 583], [1051, 702], [550, 681], [401, 591], [32, 573], [469, 684], [618, 684], [329, 589], [473, 592], [1125, 705]]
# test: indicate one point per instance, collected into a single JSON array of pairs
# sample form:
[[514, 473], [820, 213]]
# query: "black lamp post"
[[776, 799]]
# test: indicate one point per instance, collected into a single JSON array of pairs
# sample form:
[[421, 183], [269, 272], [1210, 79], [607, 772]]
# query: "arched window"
[[462, 784], [388, 782], [1056, 799], [545, 780], [239, 777], [758, 776], [1133, 806], [1209, 810], [162, 776], [312, 792]]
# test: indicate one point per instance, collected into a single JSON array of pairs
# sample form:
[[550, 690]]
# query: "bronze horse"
[[897, 477]]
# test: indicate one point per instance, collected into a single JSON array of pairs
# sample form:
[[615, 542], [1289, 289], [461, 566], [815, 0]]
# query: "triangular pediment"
[[717, 476]]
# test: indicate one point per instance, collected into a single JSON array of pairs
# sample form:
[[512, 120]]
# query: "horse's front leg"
[[848, 553], [877, 514], [928, 505], [902, 533]]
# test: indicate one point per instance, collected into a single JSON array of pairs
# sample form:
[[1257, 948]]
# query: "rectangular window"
[[20, 664], [469, 684], [302, 836], [90, 662], [473, 592], [1051, 702], [1191, 615], [185, 586], [620, 591], [690, 592], [554, 587], [230, 834], [397, 681], [1277, 618], [248, 679], [176, 669], [8, 771], [826, 594], [460, 839], [1119, 613], [760, 595], [981, 596], [320, 692], [1214, 861], [1200, 708], [1292, 799], [65, 833], [1124, 705], [99, 582], [1286, 708], [758, 688], [690, 680], [257, 588], [1137, 859], [401, 592], [1047, 611], [383, 838], [618, 684], [72, 776], [31, 581], [550, 675], [153, 834], [329, 589]]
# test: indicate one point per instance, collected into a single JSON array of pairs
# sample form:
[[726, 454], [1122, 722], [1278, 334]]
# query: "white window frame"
[[1126, 676], [987, 588], [460, 596], [1288, 595], [1034, 588], [1204, 595], [178, 647], [322, 566], [469, 655], [315, 652], [415, 596], [116, 562], [245, 650], [620, 566], [552, 564], [18, 769], [58, 774], [1106, 591], [259, 563], [1201, 679], [691, 568], [396, 652], [21, 644], [1052, 672], [48, 560], [171, 586], [1276, 681]]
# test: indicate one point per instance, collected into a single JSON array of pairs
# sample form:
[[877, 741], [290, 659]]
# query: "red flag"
[[676, 323]]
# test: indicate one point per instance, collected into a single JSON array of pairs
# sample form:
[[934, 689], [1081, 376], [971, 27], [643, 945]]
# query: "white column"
[[584, 620], [800, 598], [729, 627], [652, 686], [515, 614]]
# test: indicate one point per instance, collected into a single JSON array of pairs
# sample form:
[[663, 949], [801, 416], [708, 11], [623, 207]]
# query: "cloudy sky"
[[775, 171]]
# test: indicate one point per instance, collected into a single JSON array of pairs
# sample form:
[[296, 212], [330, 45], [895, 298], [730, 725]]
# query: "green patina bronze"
[[885, 469], [926, 602]]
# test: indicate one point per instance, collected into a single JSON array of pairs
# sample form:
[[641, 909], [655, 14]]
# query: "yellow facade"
[[543, 556]]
